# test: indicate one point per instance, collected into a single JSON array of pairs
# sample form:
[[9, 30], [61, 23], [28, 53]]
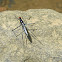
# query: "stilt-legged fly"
[[24, 28]]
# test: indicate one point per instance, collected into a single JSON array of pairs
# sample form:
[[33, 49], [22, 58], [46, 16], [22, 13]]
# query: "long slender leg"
[[23, 46], [29, 23], [18, 34], [16, 27], [35, 29], [26, 39], [22, 36]]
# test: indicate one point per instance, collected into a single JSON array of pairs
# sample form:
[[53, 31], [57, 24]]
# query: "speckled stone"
[[46, 34]]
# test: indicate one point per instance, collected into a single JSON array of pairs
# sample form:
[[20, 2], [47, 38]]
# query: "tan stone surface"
[[46, 43]]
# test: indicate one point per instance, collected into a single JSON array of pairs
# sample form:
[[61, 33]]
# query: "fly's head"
[[20, 20], [19, 17]]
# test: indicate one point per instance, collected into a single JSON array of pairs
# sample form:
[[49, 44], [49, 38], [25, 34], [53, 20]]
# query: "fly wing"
[[16, 28], [29, 36], [35, 37], [35, 31]]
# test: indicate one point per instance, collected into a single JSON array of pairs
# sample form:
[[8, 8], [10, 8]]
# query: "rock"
[[45, 30]]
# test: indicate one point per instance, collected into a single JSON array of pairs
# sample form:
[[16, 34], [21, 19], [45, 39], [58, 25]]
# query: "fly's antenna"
[[17, 17]]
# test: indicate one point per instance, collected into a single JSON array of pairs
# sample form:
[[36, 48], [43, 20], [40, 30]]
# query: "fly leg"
[[26, 39], [35, 29], [30, 24], [16, 27], [22, 36], [16, 32], [35, 37]]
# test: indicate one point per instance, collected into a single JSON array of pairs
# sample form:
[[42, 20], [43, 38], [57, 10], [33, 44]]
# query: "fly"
[[24, 28]]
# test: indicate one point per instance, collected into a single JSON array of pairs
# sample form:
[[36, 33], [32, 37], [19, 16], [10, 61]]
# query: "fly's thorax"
[[21, 21]]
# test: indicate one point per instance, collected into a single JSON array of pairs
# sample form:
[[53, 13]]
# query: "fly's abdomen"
[[25, 30]]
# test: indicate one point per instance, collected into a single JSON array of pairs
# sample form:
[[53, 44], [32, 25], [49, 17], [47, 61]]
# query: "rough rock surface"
[[46, 43]]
